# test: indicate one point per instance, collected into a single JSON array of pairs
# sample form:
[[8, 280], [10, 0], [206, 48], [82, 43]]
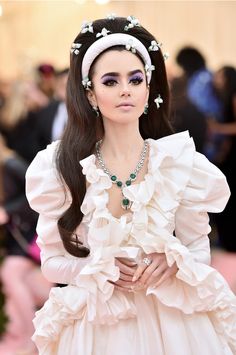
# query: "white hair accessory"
[[75, 48], [114, 39], [158, 101], [149, 69], [104, 32], [166, 56], [86, 83], [111, 16], [154, 46], [130, 46], [133, 22], [87, 27]]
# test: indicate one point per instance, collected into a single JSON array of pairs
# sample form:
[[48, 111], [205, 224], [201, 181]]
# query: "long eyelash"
[[136, 78], [106, 81]]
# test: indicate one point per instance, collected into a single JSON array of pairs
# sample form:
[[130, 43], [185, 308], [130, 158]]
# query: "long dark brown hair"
[[84, 129]]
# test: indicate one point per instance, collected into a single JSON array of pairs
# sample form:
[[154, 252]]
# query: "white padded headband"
[[131, 43]]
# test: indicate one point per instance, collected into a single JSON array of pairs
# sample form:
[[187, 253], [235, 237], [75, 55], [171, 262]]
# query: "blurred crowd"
[[33, 114]]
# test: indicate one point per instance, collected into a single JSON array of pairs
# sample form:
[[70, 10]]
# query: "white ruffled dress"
[[192, 313]]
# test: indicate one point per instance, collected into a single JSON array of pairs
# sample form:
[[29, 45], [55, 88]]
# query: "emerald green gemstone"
[[113, 178], [119, 183], [125, 202], [133, 176], [128, 182]]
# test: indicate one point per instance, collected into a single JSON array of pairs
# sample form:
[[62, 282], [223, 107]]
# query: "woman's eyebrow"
[[117, 74]]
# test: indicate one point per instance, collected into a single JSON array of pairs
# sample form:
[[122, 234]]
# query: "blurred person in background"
[[17, 119], [51, 120], [185, 115], [200, 90], [45, 79], [225, 83], [23, 285]]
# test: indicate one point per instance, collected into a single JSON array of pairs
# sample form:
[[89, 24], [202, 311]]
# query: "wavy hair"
[[84, 129]]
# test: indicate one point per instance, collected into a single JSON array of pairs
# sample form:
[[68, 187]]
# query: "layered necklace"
[[125, 202]]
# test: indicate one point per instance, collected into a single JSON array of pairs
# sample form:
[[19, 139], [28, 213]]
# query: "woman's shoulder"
[[180, 165], [49, 153], [45, 189], [173, 142], [177, 149]]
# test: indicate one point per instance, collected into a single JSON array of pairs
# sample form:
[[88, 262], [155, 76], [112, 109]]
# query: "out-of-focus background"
[[35, 40], [35, 31]]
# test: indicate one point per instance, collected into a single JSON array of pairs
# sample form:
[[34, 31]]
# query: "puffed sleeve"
[[50, 198], [207, 191]]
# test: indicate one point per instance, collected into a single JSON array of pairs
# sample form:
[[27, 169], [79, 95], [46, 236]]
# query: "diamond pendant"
[[126, 203]]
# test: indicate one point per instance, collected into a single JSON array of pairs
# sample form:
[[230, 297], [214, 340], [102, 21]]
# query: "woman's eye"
[[136, 81], [110, 82]]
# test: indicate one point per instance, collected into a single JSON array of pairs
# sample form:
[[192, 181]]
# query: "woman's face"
[[120, 88]]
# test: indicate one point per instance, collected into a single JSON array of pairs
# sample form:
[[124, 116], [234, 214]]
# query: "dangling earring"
[[145, 111], [96, 110]]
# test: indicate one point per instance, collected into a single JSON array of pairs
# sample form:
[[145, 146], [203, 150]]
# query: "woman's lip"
[[125, 105]]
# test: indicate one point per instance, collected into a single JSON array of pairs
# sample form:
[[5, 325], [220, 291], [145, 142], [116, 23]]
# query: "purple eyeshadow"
[[137, 77], [108, 78]]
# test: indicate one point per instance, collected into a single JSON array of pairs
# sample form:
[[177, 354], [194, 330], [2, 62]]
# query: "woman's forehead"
[[118, 61]]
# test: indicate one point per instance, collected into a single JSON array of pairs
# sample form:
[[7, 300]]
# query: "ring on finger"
[[147, 261]]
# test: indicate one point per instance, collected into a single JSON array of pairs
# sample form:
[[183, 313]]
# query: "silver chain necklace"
[[125, 202]]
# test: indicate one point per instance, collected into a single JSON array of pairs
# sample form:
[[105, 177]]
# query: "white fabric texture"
[[192, 313]]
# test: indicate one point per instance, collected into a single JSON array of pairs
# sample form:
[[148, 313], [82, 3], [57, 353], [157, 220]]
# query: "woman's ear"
[[91, 98]]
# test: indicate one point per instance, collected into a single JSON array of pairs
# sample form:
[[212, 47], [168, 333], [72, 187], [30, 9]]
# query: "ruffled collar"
[[162, 157]]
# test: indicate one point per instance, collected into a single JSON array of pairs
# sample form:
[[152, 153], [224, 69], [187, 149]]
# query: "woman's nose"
[[125, 89]]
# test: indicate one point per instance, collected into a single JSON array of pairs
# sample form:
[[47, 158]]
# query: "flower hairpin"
[[111, 16], [149, 68], [75, 48], [87, 27], [86, 83], [103, 33], [130, 46], [133, 22], [154, 46], [166, 56], [158, 101]]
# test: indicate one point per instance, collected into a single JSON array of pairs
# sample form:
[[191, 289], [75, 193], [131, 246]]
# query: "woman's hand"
[[127, 269], [135, 277], [154, 270]]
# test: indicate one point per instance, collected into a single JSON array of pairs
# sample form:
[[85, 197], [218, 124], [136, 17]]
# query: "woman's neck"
[[122, 142]]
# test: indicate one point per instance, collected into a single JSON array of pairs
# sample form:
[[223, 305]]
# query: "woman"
[[110, 196]]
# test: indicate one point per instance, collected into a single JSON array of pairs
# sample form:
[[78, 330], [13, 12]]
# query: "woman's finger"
[[125, 277], [168, 273], [124, 268], [123, 289], [127, 261], [154, 274], [145, 263], [123, 283]]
